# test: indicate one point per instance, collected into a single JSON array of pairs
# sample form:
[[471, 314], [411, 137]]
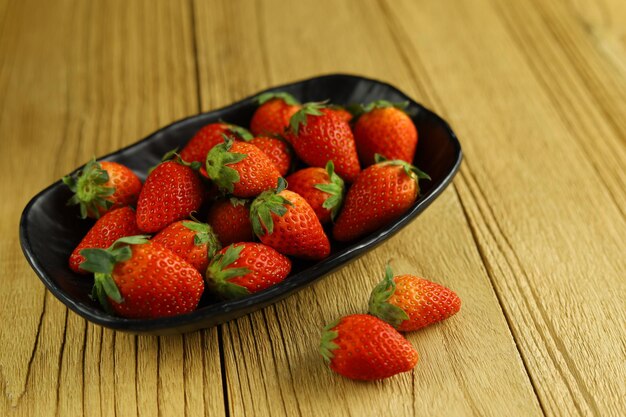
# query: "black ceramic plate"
[[49, 230]]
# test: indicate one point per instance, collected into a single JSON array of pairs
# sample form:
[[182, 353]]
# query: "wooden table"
[[532, 234]]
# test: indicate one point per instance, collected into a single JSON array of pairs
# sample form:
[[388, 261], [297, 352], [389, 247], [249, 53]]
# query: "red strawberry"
[[381, 193], [272, 116], [241, 169], [410, 303], [343, 114], [285, 221], [113, 225], [207, 137], [321, 188], [364, 347], [137, 279], [387, 130], [245, 268], [193, 241], [172, 191], [318, 135], [102, 186], [230, 220], [277, 151]]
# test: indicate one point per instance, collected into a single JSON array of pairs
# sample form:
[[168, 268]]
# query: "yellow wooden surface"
[[532, 233]]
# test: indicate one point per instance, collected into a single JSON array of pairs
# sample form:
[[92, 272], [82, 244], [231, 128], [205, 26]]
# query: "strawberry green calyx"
[[218, 275], [264, 205], [286, 97], [174, 156], [89, 190], [411, 170], [234, 201], [217, 161], [378, 305], [240, 132], [327, 344], [335, 188], [204, 235], [102, 261], [309, 109]]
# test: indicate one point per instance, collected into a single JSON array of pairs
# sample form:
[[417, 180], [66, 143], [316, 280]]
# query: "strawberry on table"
[[240, 169], [172, 191], [277, 150], [409, 303], [364, 347], [102, 186], [381, 193], [319, 135], [138, 279], [272, 116], [193, 241], [245, 268], [208, 136], [230, 220], [284, 220], [384, 128], [321, 188], [111, 226]]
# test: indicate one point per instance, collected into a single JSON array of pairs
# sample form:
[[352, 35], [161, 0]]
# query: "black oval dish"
[[49, 230]]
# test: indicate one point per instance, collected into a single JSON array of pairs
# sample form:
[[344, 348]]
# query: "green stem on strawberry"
[[241, 132], [286, 97], [204, 235], [89, 190], [264, 205], [217, 161], [327, 345], [218, 274], [378, 305], [411, 170], [335, 188], [309, 109]]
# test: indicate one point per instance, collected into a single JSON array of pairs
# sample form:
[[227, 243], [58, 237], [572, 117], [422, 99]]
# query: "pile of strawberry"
[[220, 214]]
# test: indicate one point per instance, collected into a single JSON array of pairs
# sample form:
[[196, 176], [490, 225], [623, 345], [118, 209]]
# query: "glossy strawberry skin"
[[327, 138], [180, 239], [272, 117], [380, 195], [369, 349], [171, 192], [276, 150], [156, 283], [114, 224], [303, 182], [127, 185], [257, 173], [298, 232], [387, 131], [204, 140], [230, 222]]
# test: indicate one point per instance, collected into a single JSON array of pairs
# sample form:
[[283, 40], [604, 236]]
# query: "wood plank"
[[271, 361], [81, 79], [556, 259]]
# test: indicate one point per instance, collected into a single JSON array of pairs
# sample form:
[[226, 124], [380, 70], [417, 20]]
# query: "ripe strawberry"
[[113, 225], [245, 268], [387, 130], [207, 137], [318, 135], [241, 169], [193, 241], [380, 194], [137, 279], [321, 188], [102, 186], [364, 347], [272, 116], [410, 303], [230, 220], [172, 191], [277, 151], [285, 221]]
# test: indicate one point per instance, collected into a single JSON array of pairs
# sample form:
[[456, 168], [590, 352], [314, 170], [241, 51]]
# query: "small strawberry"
[[364, 347], [385, 129], [277, 151], [173, 190], [245, 268], [207, 137], [102, 186], [241, 169], [116, 223], [137, 279], [410, 303], [318, 135], [230, 220], [285, 221], [321, 188], [381, 193], [272, 116], [193, 241]]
